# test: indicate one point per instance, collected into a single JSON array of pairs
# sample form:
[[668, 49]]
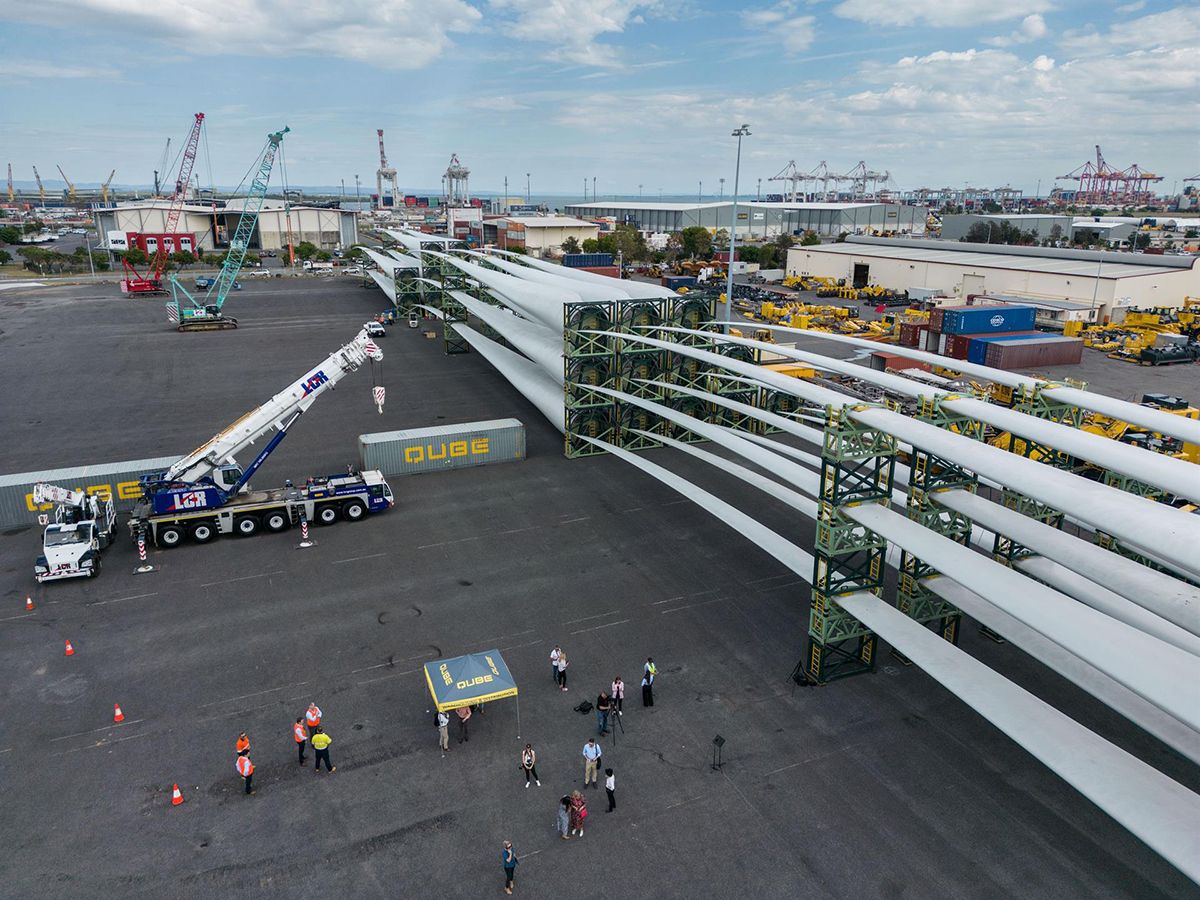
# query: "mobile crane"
[[205, 313], [206, 493], [84, 524]]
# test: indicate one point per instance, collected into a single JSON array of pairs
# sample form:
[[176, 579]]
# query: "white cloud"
[[1031, 28], [23, 69], [572, 26], [938, 13], [779, 22], [493, 104], [1131, 7], [393, 34], [1179, 27]]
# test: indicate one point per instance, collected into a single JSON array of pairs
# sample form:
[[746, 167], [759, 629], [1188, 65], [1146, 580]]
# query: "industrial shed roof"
[[955, 257]]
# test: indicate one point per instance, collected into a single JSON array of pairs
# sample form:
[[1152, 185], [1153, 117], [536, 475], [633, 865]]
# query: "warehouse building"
[[1107, 281], [539, 235], [1113, 230], [208, 228], [760, 219]]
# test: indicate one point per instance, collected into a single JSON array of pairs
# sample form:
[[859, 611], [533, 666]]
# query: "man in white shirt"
[[610, 788], [443, 721], [554, 655], [591, 755]]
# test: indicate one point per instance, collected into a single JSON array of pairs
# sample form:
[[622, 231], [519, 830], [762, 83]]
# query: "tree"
[[571, 245], [674, 248], [1056, 233], [991, 206], [841, 238], [135, 256], [213, 259], [720, 240], [749, 253], [324, 256], [1142, 240], [10, 235], [624, 242], [1191, 233], [31, 227], [809, 239], [5, 257], [183, 259], [1097, 212], [590, 245], [306, 250], [696, 241]]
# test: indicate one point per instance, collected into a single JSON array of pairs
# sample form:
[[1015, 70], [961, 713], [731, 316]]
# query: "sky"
[[638, 95]]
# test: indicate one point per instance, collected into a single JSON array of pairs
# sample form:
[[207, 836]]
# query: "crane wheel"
[[203, 532], [246, 526], [353, 510], [170, 536], [95, 567], [327, 514], [276, 521]]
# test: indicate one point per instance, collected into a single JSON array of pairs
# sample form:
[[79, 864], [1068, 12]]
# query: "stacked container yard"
[[1049, 350]]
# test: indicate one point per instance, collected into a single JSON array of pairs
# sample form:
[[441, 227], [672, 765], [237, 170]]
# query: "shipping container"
[[882, 361], [912, 333], [958, 346], [988, 319], [675, 282], [609, 271], [933, 341], [416, 450], [771, 275], [119, 480], [1034, 353], [587, 260], [977, 352], [723, 255]]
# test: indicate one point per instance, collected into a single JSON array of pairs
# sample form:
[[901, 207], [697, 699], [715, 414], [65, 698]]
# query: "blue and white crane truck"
[[206, 493]]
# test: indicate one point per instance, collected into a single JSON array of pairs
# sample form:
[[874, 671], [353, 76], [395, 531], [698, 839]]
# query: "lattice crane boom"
[[70, 186], [41, 190]]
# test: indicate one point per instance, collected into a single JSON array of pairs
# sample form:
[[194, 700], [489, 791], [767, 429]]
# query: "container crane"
[[152, 283], [104, 187], [205, 313], [206, 493], [70, 186], [384, 172], [41, 190]]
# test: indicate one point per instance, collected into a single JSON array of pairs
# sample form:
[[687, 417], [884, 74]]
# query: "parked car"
[[353, 270], [375, 329]]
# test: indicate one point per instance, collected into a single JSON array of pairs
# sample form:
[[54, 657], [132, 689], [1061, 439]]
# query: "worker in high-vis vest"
[[243, 744], [313, 717], [301, 735], [321, 742], [246, 770]]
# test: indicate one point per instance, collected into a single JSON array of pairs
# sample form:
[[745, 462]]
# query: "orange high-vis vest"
[[313, 716], [245, 767], [301, 734], [243, 744]]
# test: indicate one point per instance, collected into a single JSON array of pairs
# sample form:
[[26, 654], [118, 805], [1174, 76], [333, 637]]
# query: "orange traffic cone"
[[118, 716], [70, 649], [176, 797], [28, 602]]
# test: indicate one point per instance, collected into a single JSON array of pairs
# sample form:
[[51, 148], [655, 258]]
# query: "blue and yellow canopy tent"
[[467, 680]]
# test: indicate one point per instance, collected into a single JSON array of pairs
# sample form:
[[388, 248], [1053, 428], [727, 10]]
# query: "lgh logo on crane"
[[313, 383]]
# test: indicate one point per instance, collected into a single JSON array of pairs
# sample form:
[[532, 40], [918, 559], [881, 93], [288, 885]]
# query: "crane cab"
[[226, 477]]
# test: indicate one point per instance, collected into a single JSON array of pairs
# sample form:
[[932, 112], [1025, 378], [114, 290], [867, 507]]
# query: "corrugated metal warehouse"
[[957, 226], [760, 219], [1106, 280], [327, 228]]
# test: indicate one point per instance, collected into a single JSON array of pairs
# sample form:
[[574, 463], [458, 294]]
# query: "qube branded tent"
[[467, 680]]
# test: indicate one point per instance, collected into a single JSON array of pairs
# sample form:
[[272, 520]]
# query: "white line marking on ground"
[[527, 855], [243, 578], [781, 769], [356, 558], [588, 618], [519, 530], [772, 578], [448, 543], [107, 743], [248, 696], [122, 599], [518, 646], [386, 677], [598, 627], [95, 730], [681, 802], [392, 663], [690, 606], [668, 600], [702, 593], [580, 519], [25, 616]]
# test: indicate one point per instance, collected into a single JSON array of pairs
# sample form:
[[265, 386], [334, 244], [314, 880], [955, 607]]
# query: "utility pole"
[[529, 193], [506, 207], [700, 196], [585, 189], [639, 192], [593, 188], [738, 133], [722, 180]]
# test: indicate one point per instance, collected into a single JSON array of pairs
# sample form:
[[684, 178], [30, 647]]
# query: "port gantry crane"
[[205, 313], [152, 282]]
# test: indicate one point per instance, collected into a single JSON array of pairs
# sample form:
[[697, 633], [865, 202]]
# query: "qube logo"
[[474, 447], [996, 320], [313, 383]]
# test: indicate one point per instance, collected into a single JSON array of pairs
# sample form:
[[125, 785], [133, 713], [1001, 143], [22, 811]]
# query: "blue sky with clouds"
[[939, 92]]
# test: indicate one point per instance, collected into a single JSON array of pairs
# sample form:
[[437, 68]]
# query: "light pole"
[[88, 239], [758, 196], [700, 195], [722, 180], [528, 195], [738, 133], [639, 192], [593, 188], [585, 189], [506, 199]]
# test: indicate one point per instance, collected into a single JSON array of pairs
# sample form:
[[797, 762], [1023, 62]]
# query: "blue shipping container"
[[977, 352], [587, 260], [977, 320]]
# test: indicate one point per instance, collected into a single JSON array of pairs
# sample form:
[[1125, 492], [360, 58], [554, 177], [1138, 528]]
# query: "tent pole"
[[518, 696]]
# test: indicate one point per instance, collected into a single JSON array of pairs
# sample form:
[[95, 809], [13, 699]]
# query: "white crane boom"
[[277, 413], [52, 493]]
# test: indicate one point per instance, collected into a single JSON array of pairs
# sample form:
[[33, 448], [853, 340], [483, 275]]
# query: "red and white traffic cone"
[[28, 602], [70, 649], [118, 716], [176, 796]]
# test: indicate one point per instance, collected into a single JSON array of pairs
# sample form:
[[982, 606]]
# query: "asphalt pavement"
[[882, 786]]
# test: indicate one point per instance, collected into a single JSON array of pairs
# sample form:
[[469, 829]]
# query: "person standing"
[[591, 755], [243, 744], [554, 655], [578, 812], [647, 689], [651, 667], [529, 764], [443, 724], [463, 713], [321, 742], [610, 788], [313, 717], [301, 736], [564, 817], [510, 866], [245, 768], [618, 693], [603, 705], [562, 671]]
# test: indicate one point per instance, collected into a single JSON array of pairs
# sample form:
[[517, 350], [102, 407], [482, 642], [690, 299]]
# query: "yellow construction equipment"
[[104, 187], [70, 186]]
